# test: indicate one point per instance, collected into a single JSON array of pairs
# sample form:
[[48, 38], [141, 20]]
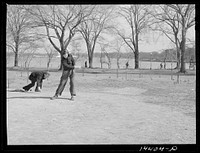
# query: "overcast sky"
[[160, 42], [150, 41], [155, 41]]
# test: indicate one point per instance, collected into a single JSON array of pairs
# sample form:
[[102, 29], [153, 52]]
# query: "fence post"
[[83, 72], [178, 78], [171, 72]]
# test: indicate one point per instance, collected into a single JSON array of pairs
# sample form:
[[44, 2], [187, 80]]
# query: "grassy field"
[[131, 106]]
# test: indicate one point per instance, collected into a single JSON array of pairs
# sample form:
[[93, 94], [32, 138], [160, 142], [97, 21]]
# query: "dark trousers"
[[33, 81], [63, 80]]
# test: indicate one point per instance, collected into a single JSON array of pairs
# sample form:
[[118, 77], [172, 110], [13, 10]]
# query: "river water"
[[41, 62]]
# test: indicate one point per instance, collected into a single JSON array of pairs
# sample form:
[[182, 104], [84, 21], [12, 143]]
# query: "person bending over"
[[36, 76]]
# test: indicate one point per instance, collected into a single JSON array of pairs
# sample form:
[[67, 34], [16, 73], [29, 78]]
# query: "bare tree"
[[166, 22], [50, 54], [137, 17], [103, 51], [76, 47], [95, 24], [19, 31], [170, 22], [27, 55], [60, 22], [117, 45], [186, 18]]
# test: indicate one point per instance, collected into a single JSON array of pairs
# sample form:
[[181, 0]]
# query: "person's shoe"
[[38, 90], [54, 97], [72, 98], [23, 90]]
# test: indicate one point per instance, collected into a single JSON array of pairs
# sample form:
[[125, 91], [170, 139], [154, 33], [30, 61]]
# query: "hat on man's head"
[[66, 51]]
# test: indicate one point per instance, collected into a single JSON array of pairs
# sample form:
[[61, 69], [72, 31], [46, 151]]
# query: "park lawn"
[[109, 108], [161, 87]]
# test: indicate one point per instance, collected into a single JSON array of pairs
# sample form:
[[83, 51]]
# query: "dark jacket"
[[68, 63], [37, 75]]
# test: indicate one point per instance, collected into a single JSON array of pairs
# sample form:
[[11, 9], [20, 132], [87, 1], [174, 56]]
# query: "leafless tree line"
[[65, 24]]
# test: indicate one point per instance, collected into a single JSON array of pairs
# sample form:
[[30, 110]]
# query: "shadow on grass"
[[37, 98], [21, 90], [17, 90]]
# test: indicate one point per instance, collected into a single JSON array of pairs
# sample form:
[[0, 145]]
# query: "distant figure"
[[192, 64], [127, 64], [85, 64], [191, 61], [37, 76], [161, 65], [164, 65]]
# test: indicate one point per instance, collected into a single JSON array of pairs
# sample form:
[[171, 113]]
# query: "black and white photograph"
[[101, 74]]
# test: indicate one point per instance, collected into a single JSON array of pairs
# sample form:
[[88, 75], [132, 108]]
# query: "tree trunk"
[[61, 60], [101, 61], [136, 52], [90, 55], [178, 59], [136, 59], [48, 63], [90, 61], [16, 59], [118, 64], [16, 55], [178, 54], [182, 46], [182, 69]]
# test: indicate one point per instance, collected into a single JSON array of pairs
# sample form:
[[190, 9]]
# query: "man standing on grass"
[[36, 76], [68, 65]]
